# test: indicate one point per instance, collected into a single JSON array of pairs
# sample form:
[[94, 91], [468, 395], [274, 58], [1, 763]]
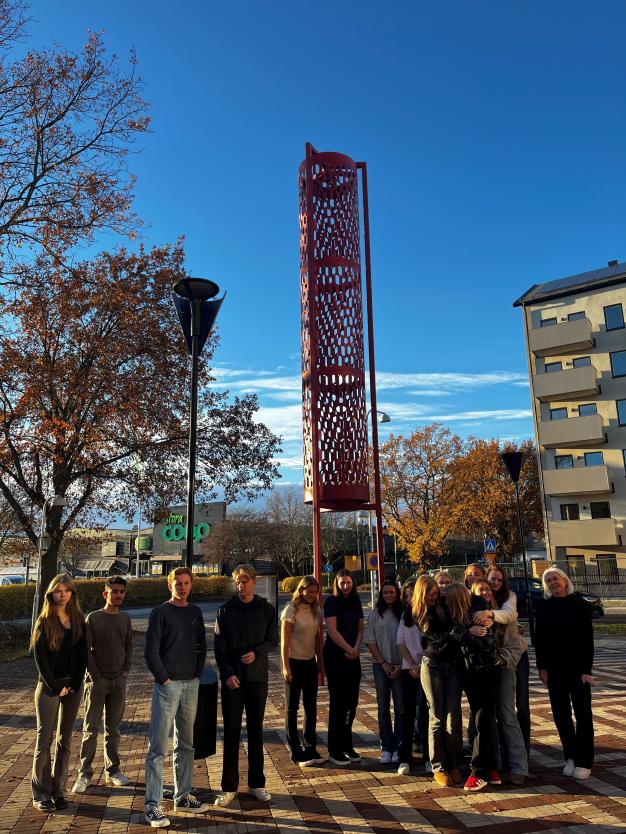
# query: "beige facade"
[[576, 350]]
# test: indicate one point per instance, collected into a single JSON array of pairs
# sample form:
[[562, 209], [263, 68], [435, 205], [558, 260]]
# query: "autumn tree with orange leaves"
[[94, 378], [436, 486]]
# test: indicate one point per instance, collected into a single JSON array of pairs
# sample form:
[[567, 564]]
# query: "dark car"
[[518, 584]]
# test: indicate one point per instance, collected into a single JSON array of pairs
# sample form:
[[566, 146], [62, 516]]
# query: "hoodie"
[[241, 627]]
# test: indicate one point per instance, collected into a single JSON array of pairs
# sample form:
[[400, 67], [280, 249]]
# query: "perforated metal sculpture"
[[334, 415]]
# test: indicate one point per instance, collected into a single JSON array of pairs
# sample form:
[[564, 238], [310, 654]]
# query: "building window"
[[569, 512], [600, 509], [607, 567], [594, 459], [579, 314], [621, 412], [576, 567], [582, 361], [618, 363], [564, 461], [614, 317], [548, 322], [586, 409], [554, 367], [561, 413]]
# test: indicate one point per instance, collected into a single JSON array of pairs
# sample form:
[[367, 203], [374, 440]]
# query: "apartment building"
[[576, 350]]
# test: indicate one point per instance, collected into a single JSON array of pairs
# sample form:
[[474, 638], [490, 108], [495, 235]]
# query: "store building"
[[576, 351]]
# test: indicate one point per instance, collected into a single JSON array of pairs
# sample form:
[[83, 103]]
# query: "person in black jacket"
[[564, 652], [60, 649], [246, 630]]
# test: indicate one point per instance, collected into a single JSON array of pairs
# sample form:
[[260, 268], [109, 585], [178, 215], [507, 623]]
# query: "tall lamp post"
[[381, 417], [197, 308], [53, 501], [513, 463]]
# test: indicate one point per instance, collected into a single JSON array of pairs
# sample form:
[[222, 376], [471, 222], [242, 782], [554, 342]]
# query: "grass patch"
[[13, 642], [609, 628]]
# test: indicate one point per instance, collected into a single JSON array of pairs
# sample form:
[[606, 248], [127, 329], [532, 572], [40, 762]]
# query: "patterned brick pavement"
[[362, 799]]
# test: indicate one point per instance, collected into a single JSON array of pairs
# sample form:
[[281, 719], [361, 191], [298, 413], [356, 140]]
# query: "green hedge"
[[16, 601], [289, 584]]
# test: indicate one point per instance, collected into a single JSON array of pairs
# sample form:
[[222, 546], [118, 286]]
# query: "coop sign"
[[175, 530]]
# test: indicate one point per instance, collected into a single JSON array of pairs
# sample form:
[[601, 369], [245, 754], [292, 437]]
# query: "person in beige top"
[[302, 664]]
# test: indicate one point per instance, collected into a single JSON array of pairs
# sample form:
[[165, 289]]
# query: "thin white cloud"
[[496, 414], [449, 381]]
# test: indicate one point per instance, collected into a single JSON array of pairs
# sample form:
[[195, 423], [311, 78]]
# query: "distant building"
[[576, 349]]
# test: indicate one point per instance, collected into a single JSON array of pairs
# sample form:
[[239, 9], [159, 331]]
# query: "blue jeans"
[[173, 704], [441, 681], [509, 725], [390, 737]]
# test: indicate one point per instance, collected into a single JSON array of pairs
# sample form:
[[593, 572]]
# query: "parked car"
[[518, 584], [11, 580]]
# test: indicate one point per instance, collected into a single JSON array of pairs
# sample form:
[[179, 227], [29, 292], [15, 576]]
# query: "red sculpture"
[[334, 417]]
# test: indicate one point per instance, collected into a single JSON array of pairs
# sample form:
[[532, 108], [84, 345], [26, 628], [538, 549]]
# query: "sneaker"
[[339, 759], [385, 757], [81, 784], [455, 775], [395, 757], [404, 769], [304, 759], [45, 805], [568, 770], [190, 805], [443, 779], [353, 756], [474, 783], [156, 818], [118, 779], [312, 754], [261, 794], [224, 799], [60, 803], [581, 772], [494, 778]]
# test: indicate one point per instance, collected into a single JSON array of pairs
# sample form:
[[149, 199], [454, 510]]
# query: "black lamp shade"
[[513, 462]]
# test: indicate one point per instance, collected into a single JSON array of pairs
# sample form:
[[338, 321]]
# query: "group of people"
[[430, 641]]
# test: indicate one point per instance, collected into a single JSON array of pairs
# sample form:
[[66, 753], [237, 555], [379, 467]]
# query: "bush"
[[289, 584], [16, 601]]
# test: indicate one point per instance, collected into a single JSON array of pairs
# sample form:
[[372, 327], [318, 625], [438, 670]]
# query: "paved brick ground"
[[361, 800]]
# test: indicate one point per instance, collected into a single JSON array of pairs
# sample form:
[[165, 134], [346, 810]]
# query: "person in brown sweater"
[[109, 650]]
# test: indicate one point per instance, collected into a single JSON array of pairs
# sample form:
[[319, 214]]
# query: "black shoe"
[[312, 754], [60, 803], [353, 756], [301, 757], [339, 759], [45, 805]]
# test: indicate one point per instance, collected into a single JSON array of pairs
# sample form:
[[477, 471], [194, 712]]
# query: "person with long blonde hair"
[[441, 678], [60, 650], [303, 668]]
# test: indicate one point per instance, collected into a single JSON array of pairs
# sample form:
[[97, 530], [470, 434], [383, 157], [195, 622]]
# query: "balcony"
[[567, 337], [584, 480], [572, 433], [566, 385], [587, 532]]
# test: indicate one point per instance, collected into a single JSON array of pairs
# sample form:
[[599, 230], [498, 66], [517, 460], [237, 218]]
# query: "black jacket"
[[241, 627], [70, 655], [564, 635]]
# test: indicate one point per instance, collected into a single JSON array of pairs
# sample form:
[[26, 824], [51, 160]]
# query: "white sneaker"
[[385, 757], [118, 779], [225, 798], [581, 772], [81, 784], [404, 769], [395, 757], [261, 794], [568, 770]]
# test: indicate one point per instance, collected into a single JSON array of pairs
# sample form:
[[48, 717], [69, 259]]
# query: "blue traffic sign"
[[328, 568], [491, 546]]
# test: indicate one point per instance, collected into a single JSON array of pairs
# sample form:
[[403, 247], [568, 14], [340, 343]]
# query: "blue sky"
[[494, 134]]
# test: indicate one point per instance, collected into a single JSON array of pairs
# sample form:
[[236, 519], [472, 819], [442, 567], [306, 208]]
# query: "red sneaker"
[[493, 777], [474, 783]]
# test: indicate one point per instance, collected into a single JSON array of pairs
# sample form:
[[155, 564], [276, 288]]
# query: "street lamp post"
[[513, 463], [381, 417], [53, 501], [197, 308]]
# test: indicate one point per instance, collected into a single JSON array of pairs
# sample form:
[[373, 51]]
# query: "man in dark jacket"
[[245, 632], [175, 652]]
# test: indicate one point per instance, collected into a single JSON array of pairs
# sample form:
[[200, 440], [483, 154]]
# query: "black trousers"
[[567, 692], [251, 697], [343, 697], [522, 700], [303, 683], [482, 689], [415, 703]]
